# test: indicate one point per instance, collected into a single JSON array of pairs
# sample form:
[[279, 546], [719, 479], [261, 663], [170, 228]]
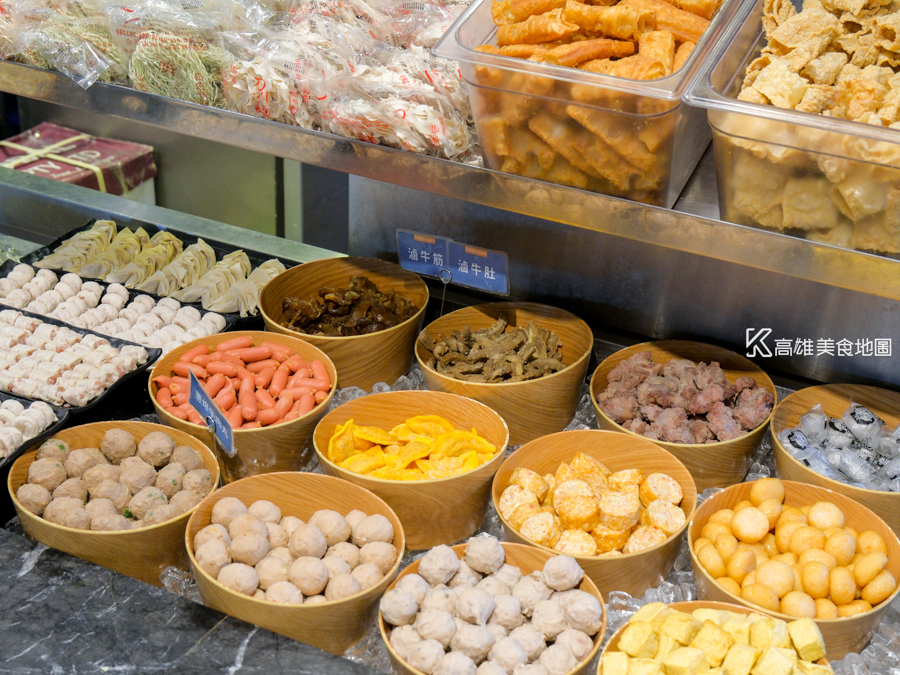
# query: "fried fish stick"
[[659, 45], [682, 55], [538, 28], [635, 67], [686, 27], [508, 12], [619, 22], [576, 53], [702, 8]]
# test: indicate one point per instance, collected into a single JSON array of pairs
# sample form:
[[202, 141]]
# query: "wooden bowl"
[[281, 447], [713, 465], [835, 399], [841, 635], [442, 511], [526, 558], [361, 360], [333, 626], [142, 554], [533, 408], [633, 573], [686, 607]]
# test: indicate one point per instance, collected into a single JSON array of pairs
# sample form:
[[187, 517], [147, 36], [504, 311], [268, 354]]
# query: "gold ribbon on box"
[[34, 154]]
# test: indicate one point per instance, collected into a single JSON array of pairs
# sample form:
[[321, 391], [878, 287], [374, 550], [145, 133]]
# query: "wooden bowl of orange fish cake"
[[596, 462]]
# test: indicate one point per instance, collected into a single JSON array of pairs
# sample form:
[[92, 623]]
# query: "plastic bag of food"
[[365, 15]]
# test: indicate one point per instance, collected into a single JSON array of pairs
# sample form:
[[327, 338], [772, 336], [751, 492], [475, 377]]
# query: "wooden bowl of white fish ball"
[[333, 626], [835, 399], [142, 554], [528, 559]]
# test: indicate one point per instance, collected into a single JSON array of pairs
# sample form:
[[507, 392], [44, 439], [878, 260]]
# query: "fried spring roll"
[[576, 53], [489, 49], [619, 22], [702, 8], [604, 160], [523, 51], [686, 27], [523, 144], [508, 12], [635, 67], [682, 55], [558, 135], [495, 135], [659, 45], [536, 29], [620, 137]]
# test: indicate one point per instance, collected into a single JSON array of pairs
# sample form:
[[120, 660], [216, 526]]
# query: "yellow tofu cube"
[[806, 668], [714, 671], [615, 663], [712, 641], [685, 661], [644, 667], [683, 627], [807, 639], [657, 621], [755, 618], [740, 659], [790, 654], [773, 662], [648, 612], [769, 633], [639, 640], [717, 616], [666, 645], [738, 627]]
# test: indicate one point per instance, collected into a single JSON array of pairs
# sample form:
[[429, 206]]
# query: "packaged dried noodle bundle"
[[365, 15]]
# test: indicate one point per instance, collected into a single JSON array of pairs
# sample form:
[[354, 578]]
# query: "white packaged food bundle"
[[58, 365], [19, 423]]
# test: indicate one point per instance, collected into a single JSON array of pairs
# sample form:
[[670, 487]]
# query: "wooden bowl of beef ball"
[[333, 625], [533, 407], [141, 552], [712, 462], [361, 360]]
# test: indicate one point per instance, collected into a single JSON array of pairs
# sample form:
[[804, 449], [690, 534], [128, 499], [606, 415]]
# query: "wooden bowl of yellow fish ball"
[[714, 464], [633, 573], [361, 360], [532, 408], [687, 608], [844, 635], [141, 554], [835, 399], [332, 626], [433, 512], [528, 559]]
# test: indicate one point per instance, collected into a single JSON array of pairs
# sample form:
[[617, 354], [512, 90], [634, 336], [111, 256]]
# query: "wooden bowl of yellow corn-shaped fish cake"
[[618, 520], [694, 637]]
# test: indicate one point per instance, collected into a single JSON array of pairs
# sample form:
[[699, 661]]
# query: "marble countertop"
[[65, 615]]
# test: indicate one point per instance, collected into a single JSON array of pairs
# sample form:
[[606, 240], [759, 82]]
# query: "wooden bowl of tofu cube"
[[712, 464], [702, 636]]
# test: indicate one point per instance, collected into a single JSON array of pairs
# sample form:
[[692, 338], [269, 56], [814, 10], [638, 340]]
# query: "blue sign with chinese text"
[[422, 253], [215, 418]]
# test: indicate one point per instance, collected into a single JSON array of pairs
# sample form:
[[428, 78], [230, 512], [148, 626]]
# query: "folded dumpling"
[[195, 261], [243, 296], [126, 246], [231, 269], [159, 252], [77, 250]]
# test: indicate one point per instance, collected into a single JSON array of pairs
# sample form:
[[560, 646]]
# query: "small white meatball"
[[508, 653], [473, 641], [438, 565], [531, 639], [342, 586], [136, 475], [97, 474], [485, 554], [398, 607], [143, 501], [336, 566], [185, 500], [454, 663], [73, 487], [212, 557], [498, 631], [309, 574], [169, 479], [98, 507], [33, 497], [333, 526], [117, 444], [562, 572], [199, 481], [239, 577], [109, 522], [249, 548], [189, 458], [402, 638], [380, 553], [291, 523], [209, 533], [507, 612], [584, 612], [549, 618], [115, 492], [466, 577], [475, 605], [281, 552], [160, 514], [355, 516], [441, 598], [49, 473], [578, 642], [54, 449], [367, 575], [432, 624], [266, 511], [490, 668], [315, 600], [373, 528], [416, 585], [227, 509], [246, 523], [308, 540], [423, 655], [284, 593], [271, 570], [346, 551], [494, 586], [529, 591], [277, 536], [156, 448], [558, 660]]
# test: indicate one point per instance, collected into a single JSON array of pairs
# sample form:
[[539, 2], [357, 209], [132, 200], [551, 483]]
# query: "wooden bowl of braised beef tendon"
[[361, 360], [718, 464], [143, 553], [531, 408], [835, 399]]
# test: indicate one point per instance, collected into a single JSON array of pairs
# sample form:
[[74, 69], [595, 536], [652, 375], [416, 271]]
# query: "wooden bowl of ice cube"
[[701, 610], [717, 464], [835, 400], [842, 635]]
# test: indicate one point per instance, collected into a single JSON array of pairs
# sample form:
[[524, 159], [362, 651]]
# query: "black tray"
[[152, 355], [9, 265], [221, 249]]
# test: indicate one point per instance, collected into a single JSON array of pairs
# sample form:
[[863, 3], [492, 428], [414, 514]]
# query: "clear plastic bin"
[[626, 138], [829, 180]]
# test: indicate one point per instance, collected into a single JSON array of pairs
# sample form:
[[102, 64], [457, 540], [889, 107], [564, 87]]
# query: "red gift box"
[[70, 156]]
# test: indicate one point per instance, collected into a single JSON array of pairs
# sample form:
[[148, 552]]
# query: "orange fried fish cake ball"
[[783, 535], [743, 504], [730, 585], [726, 544], [817, 555], [798, 604], [816, 579], [841, 585], [867, 567], [760, 595], [749, 579], [791, 514], [766, 488], [826, 609], [880, 588], [870, 542], [805, 537], [853, 608], [750, 525], [740, 564], [824, 515], [722, 516], [769, 544], [773, 509], [776, 575], [712, 562]]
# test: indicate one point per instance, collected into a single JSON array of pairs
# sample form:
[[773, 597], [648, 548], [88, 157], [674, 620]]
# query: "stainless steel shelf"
[[691, 227]]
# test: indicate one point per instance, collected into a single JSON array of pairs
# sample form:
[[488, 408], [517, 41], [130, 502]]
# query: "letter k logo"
[[756, 342]]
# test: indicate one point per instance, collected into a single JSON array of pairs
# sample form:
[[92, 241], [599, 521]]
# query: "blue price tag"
[[215, 418], [422, 253], [480, 268]]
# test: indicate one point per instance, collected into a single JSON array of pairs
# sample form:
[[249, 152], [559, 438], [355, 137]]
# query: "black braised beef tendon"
[[493, 355], [683, 401], [360, 309]]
